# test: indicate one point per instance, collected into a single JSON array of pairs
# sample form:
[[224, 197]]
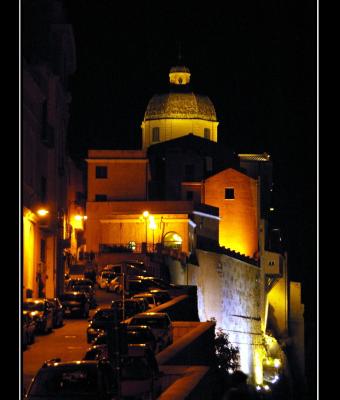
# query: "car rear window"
[[31, 306], [158, 323], [139, 337], [72, 297], [70, 381]]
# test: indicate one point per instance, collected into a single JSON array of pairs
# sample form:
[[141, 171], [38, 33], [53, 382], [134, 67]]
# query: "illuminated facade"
[[235, 194], [46, 167], [201, 201]]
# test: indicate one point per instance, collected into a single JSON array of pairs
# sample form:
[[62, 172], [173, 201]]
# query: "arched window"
[[155, 134], [172, 240]]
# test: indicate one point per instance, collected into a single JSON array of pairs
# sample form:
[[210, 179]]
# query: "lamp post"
[[53, 222], [145, 216], [153, 227]]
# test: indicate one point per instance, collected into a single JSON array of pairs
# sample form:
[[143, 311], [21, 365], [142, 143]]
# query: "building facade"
[[48, 62], [184, 192]]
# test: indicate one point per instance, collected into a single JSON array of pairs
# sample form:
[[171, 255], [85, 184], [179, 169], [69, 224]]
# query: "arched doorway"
[[172, 240]]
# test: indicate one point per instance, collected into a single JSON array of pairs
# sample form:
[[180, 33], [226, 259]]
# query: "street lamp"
[[152, 226], [42, 212], [145, 216]]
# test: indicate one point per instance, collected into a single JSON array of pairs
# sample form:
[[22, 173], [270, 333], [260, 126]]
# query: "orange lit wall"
[[121, 222], [238, 225], [127, 175], [30, 240]]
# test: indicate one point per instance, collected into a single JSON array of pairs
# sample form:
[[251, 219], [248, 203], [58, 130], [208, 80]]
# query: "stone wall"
[[229, 291]]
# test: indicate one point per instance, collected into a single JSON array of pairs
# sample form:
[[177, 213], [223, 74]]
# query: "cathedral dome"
[[177, 105], [180, 103]]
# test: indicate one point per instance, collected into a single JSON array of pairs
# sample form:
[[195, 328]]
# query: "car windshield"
[[139, 337], [78, 288], [71, 297], [33, 306], [149, 299], [80, 282], [158, 323], [104, 315], [66, 381]]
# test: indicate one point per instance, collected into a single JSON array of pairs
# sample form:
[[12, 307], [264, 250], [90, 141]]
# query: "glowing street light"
[[145, 216], [42, 212], [152, 226]]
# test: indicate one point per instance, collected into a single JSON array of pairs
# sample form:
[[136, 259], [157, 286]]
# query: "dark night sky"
[[256, 61]]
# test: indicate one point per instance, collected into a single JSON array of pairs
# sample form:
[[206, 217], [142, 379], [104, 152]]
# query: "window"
[[189, 172], [206, 133], [190, 195], [101, 197], [172, 240], [101, 172], [155, 134], [229, 194]]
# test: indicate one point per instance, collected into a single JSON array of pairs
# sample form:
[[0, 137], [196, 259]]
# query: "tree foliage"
[[227, 355]]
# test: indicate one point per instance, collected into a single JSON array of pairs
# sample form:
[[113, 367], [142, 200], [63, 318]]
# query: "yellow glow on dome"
[[179, 78]]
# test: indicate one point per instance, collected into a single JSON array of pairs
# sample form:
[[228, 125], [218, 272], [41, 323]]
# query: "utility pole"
[[114, 348]]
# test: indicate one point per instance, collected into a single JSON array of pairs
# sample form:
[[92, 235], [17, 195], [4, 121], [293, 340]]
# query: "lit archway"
[[172, 240]]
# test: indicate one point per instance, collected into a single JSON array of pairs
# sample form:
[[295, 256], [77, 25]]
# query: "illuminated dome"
[[181, 106], [180, 103], [179, 112]]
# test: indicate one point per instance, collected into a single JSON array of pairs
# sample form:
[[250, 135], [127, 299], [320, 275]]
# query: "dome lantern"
[[179, 75]]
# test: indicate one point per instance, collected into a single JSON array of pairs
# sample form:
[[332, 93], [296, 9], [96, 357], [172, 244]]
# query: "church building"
[[185, 192]]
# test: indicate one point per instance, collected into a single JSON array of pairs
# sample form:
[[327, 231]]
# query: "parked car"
[[28, 329], [135, 334], [90, 380], [128, 267], [140, 375], [149, 297], [76, 271], [162, 296], [160, 325], [131, 306], [104, 318], [117, 268], [174, 290], [114, 284], [89, 291], [58, 312], [134, 267], [134, 286], [97, 352], [79, 282], [142, 334], [75, 303], [105, 278], [41, 311]]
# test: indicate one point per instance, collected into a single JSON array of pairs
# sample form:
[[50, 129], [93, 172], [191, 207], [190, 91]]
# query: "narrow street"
[[67, 343]]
